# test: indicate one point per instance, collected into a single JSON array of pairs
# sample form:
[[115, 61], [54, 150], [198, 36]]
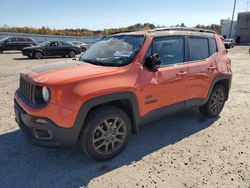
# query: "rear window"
[[213, 46], [29, 40], [198, 48]]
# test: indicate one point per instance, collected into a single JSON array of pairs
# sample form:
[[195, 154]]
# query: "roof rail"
[[125, 31], [184, 29]]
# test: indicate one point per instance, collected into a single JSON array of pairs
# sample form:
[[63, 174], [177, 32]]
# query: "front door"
[[53, 49], [165, 90]]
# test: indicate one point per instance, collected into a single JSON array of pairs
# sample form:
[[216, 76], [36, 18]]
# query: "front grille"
[[27, 90]]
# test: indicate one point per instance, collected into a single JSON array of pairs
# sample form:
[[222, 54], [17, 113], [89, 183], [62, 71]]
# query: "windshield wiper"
[[92, 62]]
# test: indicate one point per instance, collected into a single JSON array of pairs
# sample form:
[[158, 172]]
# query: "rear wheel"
[[215, 103], [38, 55], [83, 49], [72, 54], [105, 133]]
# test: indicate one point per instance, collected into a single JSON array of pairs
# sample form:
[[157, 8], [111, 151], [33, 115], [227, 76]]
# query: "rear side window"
[[64, 43], [198, 48], [29, 40], [213, 46], [170, 49], [21, 40]]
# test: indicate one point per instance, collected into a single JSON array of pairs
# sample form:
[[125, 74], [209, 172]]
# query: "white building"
[[225, 28]]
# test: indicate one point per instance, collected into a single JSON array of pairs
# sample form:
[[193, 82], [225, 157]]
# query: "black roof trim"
[[183, 29]]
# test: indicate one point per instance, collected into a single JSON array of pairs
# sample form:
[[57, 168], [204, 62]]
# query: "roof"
[[170, 31]]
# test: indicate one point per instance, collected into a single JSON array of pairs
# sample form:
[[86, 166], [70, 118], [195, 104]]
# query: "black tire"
[[95, 136], [215, 103], [38, 55], [1, 50], [72, 53], [30, 57], [83, 49]]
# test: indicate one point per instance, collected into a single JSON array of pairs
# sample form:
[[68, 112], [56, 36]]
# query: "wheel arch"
[[127, 101], [38, 50], [224, 80]]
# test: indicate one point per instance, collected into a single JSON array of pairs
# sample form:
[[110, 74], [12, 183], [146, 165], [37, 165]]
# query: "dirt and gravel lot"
[[184, 150]]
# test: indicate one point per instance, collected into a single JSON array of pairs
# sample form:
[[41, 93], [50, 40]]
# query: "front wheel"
[[38, 55], [215, 103], [105, 133]]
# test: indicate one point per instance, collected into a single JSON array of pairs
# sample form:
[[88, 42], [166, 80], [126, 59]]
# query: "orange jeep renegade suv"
[[120, 83]]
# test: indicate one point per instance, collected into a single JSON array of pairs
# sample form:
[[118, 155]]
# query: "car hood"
[[32, 47], [65, 72]]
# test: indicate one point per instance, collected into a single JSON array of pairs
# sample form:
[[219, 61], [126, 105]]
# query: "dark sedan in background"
[[52, 48], [15, 43]]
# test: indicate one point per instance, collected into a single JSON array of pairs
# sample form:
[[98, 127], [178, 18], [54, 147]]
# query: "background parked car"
[[229, 43], [51, 48], [16, 43], [83, 46]]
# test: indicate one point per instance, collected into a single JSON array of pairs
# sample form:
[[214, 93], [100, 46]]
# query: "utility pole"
[[247, 6], [230, 33]]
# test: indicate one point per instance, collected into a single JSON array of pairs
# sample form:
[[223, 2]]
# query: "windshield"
[[44, 43], [113, 50]]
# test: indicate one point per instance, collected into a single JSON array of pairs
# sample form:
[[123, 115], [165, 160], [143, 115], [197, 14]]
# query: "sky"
[[101, 14]]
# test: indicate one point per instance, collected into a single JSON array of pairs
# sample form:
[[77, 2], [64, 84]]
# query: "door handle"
[[212, 68], [181, 74]]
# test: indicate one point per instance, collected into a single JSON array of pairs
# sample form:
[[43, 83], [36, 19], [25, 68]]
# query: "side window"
[[54, 44], [213, 46], [20, 39], [13, 39], [170, 49], [198, 48], [64, 43]]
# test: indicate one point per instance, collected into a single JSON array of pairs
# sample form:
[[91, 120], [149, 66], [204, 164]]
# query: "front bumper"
[[43, 132], [27, 53]]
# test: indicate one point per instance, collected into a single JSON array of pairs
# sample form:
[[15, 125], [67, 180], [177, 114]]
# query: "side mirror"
[[153, 62]]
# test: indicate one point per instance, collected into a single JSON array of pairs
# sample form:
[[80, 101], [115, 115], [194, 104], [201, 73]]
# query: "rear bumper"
[[43, 132]]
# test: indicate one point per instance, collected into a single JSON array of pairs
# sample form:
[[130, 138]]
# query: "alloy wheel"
[[109, 135], [217, 101]]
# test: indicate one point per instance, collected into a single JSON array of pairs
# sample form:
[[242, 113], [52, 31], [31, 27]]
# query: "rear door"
[[64, 48], [21, 43], [201, 67]]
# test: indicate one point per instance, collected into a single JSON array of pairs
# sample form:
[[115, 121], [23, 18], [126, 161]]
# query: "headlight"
[[45, 94]]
